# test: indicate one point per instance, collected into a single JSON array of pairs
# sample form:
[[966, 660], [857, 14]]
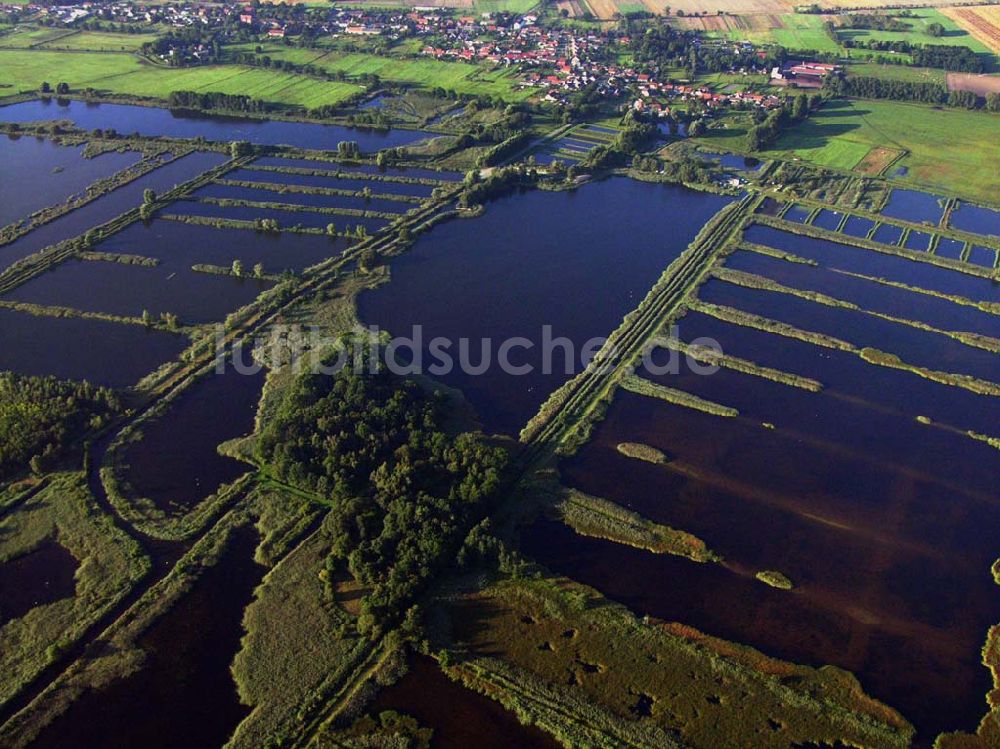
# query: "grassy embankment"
[[600, 518], [110, 564], [754, 281], [116, 653], [919, 256], [868, 354], [631, 679]]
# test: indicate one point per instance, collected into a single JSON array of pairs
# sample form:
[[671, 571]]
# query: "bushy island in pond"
[[404, 492], [41, 416]]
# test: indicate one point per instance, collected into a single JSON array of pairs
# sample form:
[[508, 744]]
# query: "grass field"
[[24, 37], [100, 41], [123, 74], [954, 34], [900, 73], [463, 78], [947, 150]]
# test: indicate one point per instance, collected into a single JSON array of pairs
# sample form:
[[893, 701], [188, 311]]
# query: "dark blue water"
[[857, 226], [913, 346], [36, 173], [888, 234], [128, 119], [950, 248], [912, 205], [846, 373], [797, 213], [577, 261], [827, 219], [880, 265], [976, 219], [917, 240], [869, 295], [108, 206], [103, 353], [983, 256]]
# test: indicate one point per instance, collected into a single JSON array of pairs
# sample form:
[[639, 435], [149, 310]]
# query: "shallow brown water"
[[460, 717]]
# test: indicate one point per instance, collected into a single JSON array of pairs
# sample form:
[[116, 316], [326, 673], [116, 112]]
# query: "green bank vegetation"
[[41, 417], [109, 565], [600, 518], [640, 451], [775, 579], [707, 355], [992, 308], [374, 446], [642, 386], [292, 189]]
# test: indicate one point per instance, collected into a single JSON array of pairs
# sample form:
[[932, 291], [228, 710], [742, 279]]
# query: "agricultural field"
[[981, 22], [841, 134], [122, 74], [462, 78], [98, 41]]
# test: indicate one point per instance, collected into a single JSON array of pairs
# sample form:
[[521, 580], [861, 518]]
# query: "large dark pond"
[[128, 119], [35, 173], [41, 576], [577, 262]]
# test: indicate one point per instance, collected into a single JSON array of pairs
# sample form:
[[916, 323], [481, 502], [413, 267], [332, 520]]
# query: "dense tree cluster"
[[404, 492], [41, 416], [949, 57]]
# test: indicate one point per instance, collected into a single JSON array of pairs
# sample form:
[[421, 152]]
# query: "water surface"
[[129, 118], [108, 206], [36, 173], [103, 353], [576, 261]]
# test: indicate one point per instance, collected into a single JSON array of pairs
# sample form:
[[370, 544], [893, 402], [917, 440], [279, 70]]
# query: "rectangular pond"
[[36, 173], [975, 219], [913, 205], [104, 353], [108, 206]]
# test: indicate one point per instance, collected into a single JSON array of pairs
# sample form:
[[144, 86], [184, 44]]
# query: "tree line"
[[867, 87]]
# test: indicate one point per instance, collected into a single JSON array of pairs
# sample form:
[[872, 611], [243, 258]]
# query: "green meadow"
[[463, 78], [946, 149], [128, 75]]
